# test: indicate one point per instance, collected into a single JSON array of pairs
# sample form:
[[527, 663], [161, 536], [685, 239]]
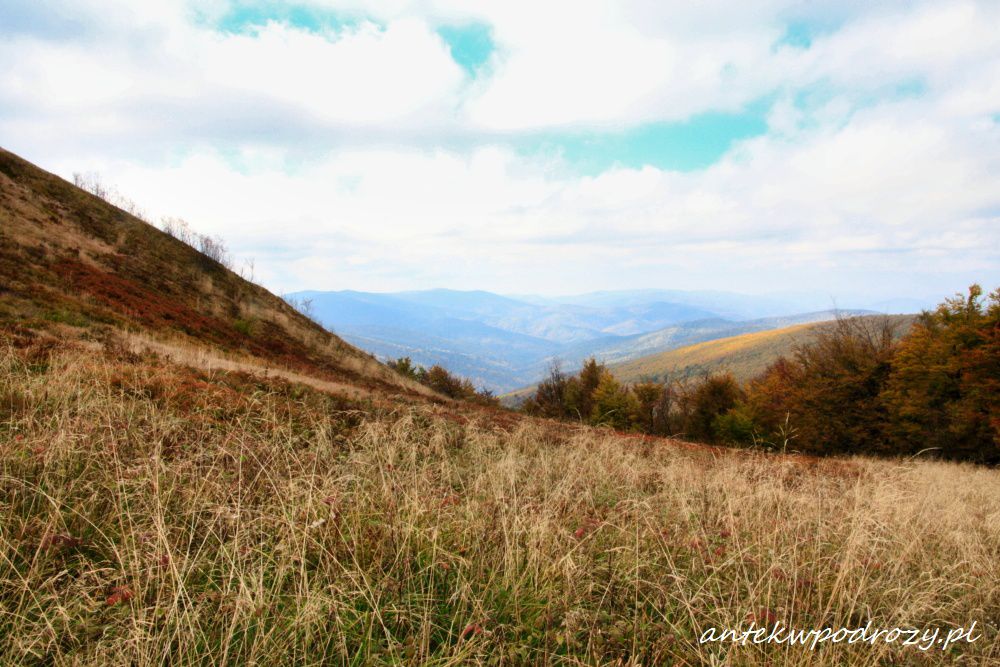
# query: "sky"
[[847, 148]]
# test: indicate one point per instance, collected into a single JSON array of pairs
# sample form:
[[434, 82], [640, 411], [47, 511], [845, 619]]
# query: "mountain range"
[[505, 342]]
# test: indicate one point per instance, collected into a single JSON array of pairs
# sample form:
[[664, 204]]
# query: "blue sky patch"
[[801, 33], [681, 146], [244, 17], [798, 34], [470, 45]]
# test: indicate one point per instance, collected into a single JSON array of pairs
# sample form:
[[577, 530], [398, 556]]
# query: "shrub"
[[404, 366], [303, 306], [440, 380], [245, 327], [736, 426], [579, 393], [550, 397], [655, 404]]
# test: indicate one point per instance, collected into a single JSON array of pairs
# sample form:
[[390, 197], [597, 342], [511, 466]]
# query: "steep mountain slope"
[[745, 356], [72, 264]]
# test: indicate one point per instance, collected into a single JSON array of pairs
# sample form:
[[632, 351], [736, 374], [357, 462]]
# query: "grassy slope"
[[153, 512], [72, 263], [744, 356]]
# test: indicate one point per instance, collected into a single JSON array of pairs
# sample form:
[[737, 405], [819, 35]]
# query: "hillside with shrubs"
[[856, 387]]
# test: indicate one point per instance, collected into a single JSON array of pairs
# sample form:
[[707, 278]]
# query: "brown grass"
[[158, 514]]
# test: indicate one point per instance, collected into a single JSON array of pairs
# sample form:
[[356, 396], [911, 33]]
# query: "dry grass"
[[207, 358], [154, 514]]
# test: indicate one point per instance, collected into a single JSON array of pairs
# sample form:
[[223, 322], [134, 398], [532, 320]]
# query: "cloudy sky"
[[845, 148]]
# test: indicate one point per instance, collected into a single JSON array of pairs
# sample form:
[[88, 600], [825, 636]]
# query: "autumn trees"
[[857, 388], [595, 397], [944, 390]]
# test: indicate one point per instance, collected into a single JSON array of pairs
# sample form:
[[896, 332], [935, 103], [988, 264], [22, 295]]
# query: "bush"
[[404, 366], [737, 426], [550, 397], [654, 407]]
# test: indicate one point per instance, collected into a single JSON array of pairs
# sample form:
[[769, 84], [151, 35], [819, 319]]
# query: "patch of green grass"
[[70, 318], [247, 327]]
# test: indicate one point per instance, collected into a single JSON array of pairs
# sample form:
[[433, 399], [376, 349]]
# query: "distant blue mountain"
[[506, 342]]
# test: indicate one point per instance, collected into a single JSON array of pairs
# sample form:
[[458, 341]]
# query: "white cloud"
[[366, 158], [891, 191]]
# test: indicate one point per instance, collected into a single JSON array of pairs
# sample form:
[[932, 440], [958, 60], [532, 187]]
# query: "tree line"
[[856, 388], [440, 380], [213, 247]]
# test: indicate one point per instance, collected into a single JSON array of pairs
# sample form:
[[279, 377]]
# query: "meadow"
[[155, 513]]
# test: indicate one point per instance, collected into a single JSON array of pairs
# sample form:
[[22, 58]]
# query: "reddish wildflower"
[[724, 533], [120, 594], [164, 560], [580, 532], [471, 630]]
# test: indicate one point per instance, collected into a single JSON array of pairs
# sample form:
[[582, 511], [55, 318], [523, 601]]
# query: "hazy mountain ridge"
[[504, 342]]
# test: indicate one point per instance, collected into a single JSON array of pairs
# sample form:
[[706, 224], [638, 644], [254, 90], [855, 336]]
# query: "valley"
[[504, 343]]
